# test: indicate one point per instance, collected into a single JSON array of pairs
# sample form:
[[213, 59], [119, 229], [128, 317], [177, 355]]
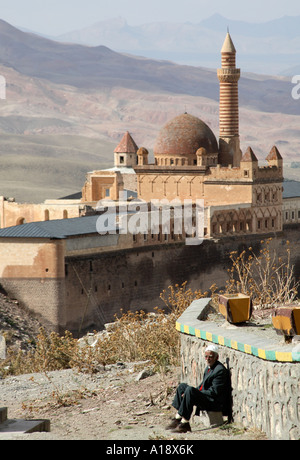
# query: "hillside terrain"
[[116, 403], [67, 107], [271, 47]]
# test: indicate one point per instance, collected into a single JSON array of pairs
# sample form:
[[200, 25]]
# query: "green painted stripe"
[[254, 351], [296, 356], [215, 338], [269, 355], [203, 335], [227, 342], [241, 347], [192, 331]]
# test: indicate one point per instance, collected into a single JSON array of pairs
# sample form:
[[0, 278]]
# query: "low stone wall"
[[265, 382], [2, 347]]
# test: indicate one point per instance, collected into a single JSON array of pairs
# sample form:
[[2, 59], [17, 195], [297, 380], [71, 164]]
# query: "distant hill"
[[37, 167], [68, 106], [291, 188], [95, 67], [271, 47], [98, 67]]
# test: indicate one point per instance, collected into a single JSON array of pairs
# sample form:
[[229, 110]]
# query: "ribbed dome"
[[184, 135]]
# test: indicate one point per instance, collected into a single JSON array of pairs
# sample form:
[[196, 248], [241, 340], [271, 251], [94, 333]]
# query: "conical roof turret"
[[274, 154], [249, 156], [228, 46], [127, 145]]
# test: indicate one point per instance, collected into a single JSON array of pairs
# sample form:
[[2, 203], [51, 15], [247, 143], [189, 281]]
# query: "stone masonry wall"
[[72, 286], [266, 395], [44, 298]]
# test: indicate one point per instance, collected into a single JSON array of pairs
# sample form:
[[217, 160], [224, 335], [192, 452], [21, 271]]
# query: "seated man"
[[211, 395]]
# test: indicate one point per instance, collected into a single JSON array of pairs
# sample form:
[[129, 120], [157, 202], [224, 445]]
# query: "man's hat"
[[213, 348]]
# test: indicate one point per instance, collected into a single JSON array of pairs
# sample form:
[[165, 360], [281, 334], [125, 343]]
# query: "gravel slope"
[[114, 404]]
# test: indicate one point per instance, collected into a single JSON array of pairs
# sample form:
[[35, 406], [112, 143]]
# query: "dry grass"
[[140, 336], [266, 277], [136, 336], [38, 167]]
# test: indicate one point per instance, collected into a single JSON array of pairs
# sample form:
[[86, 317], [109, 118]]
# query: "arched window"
[[21, 221]]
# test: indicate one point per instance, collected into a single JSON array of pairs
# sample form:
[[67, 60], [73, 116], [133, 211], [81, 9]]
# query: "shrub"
[[51, 352], [136, 336], [140, 336], [268, 278]]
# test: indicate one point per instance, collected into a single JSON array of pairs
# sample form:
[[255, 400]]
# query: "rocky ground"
[[112, 405], [125, 401]]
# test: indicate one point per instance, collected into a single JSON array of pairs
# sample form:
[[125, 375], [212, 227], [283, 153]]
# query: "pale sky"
[[54, 17]]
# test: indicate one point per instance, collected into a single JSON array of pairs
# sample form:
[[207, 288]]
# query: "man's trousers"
[[187, 397]]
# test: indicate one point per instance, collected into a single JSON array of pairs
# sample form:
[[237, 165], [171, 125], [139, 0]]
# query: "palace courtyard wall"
[[82, 283]]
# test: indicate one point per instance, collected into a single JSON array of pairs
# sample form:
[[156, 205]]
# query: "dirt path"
[[112, 405]]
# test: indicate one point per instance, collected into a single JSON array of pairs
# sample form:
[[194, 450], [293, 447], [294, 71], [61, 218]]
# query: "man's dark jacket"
[[216, 387]]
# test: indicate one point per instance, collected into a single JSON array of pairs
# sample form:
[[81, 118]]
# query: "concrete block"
[[2, 347], [236, 308], [3, 414], [211, 419], [286, 320], [11, 428]]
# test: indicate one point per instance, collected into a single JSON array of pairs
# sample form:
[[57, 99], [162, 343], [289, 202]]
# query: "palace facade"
[[190, 163]]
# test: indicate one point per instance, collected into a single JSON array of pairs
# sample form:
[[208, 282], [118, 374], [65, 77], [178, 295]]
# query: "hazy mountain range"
[[271, 48], [88, 67], [68, 105]]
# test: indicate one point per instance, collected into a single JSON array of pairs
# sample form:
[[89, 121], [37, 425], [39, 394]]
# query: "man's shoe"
[[182, 428], [174, 424]]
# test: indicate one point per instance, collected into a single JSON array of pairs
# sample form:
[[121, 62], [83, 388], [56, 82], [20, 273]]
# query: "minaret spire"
[[229, 76]]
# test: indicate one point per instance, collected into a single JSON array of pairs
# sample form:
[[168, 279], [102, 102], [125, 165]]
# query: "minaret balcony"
[[229, 75]]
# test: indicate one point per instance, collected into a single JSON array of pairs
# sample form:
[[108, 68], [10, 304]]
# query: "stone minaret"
[[229, 76]]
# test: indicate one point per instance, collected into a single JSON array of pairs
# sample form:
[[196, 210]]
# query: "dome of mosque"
[[184, 135]]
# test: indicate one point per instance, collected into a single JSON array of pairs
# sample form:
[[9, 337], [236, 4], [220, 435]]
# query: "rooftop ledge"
[[191, 323]]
